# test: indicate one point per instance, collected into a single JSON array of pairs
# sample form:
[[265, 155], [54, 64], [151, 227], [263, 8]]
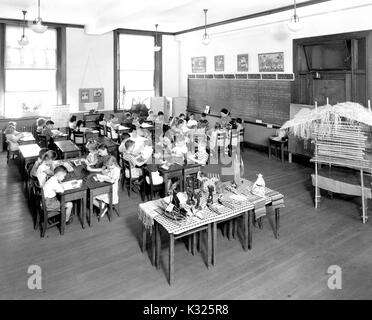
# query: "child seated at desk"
[[203, 122], [160, 118], [101, 120], [72, 123], [103, 156], [40, 123], [111, 174], [53, 187], [192, 122], [124, 137], [38, 162], [213, 134], [92, 157], [13, 136], [49, 131], [127, 120], [45, 168], [180, 150], [135, 160]]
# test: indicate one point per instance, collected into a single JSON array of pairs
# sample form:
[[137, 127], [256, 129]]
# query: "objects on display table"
[[259, 186]]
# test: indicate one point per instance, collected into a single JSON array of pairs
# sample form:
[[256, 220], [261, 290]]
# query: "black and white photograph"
[[185, 157], [242, 63], [219, 63]]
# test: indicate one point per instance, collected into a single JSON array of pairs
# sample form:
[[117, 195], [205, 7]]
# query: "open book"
[[73, 184]]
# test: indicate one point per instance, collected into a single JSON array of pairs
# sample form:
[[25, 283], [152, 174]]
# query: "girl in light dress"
[[110, 174], [92, 157], [13, 136]]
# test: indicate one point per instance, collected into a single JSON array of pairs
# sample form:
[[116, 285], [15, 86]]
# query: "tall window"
[[136, 83], [30, 72]]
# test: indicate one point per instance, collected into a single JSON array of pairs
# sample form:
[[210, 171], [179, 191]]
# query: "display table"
[[150, 214]]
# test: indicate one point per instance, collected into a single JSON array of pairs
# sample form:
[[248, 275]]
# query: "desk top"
[[66, 146], [106, 141], [29, 150]]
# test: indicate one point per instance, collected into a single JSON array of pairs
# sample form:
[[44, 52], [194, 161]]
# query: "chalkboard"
[[250, 100]]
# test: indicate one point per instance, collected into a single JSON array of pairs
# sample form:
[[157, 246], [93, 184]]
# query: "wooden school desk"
[[67, 149]]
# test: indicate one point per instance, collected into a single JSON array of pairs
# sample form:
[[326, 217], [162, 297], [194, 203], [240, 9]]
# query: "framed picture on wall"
[[242, 62], [199, 64], [219, 63], [91, 98], [271, 62]]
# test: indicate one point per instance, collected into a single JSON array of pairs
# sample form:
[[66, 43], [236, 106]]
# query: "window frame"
[[158, 69], [61, 64]]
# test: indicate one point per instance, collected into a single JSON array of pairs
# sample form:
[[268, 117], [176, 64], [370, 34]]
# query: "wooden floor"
[[105, 261]]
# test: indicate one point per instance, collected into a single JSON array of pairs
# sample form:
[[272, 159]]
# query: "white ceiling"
[[106, 15]]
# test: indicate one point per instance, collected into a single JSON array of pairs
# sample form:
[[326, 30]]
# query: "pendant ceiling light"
[[206, 39], [295, 24], [23, 41], [38, 26], [157, 48]]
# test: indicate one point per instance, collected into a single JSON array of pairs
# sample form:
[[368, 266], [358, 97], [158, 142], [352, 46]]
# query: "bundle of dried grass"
[[306, 120]]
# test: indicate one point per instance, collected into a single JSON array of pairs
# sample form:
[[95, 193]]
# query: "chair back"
[[221, 139], [241, 135], [234, 138], [109, 132], [78, 138], [102, 130]]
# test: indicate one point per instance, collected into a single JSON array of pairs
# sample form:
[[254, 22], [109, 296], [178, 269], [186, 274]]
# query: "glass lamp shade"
[[295, 24], [38, 26], [157, 48], [206, 39], [23, 41]]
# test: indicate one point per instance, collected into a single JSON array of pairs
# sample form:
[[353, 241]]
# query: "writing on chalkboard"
[[267, 101]]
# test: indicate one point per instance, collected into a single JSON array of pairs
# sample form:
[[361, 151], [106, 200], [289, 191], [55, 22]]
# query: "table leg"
[[189, 244], [214, 243], [110, 204], [209, 245], [171, 259], [194, 243], [153, 245], [230, 229], [143, 245], [165, 178], [158, 245], [269, 150], [282, 151], [250, 229], [277, 218], [246, 231]]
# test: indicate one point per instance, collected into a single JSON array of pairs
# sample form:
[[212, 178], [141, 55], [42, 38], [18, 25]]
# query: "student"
[[203, 121], [151, 117], [127, 120], [201, 156], [45, 168], [53, 187], [13, 136], [135, 160], [112, 175], [160, 118], [103, 156], [213, 136], [135, 119], [92, 157], [182, 116], [38, 162], [101, 119], [40, 123], [49, 132], [113, 121], [124, 137], [192, 123], [179, 151], [72, 123], [239, 124], [225, 118]]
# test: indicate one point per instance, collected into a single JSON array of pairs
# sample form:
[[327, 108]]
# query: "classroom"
[[185, 150]]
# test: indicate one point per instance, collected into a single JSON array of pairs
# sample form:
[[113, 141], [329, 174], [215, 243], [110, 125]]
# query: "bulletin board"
[[91, 98]]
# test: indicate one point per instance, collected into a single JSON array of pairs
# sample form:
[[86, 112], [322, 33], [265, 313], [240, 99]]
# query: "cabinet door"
[[335, 87]]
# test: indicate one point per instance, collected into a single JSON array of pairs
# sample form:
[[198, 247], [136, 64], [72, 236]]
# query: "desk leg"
[[230, 229], [158, 245], [289, 157], [153, 244], [282, 152], [84, 210], [110, 204], [277, 220], [63, 216], [250, 229], [194, 241], [171, 259], [209, 245], [90, 208], [269, 145], [214, 243]]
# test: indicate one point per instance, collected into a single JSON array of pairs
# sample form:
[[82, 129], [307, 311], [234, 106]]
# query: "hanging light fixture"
[[295, 24], [206, 39], [38, 26], [23, 41], [157, 48]]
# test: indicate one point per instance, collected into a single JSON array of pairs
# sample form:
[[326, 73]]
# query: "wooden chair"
[[35, 197], [241, 139], [109, 134], [27, 179], [150, 189], [10, 153], [102, 130], [129, 182], [46, 217], [79, 140]]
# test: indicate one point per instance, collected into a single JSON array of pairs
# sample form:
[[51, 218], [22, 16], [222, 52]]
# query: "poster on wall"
[[198, 64], [91, 98], [271, 62], [219, 63], [60, 115], [242, 62]]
